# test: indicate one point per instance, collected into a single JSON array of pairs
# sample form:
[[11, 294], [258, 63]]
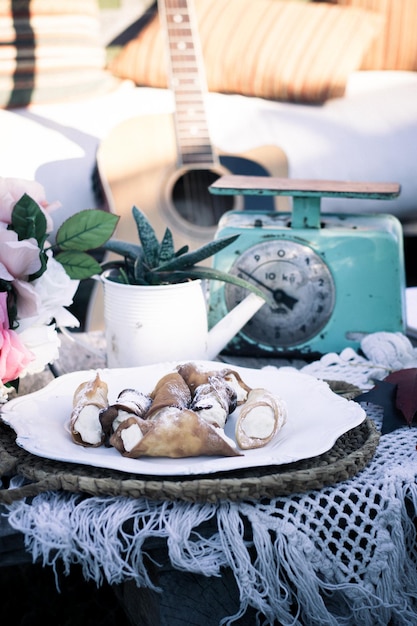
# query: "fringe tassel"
[[336, 557]]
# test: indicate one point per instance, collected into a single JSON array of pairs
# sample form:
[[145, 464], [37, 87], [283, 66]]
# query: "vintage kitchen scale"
[[332, 278]]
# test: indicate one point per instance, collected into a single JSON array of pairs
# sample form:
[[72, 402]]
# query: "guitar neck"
[[186, 80]]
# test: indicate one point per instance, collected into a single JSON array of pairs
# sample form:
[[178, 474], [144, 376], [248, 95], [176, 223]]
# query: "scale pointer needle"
[[279, 295]]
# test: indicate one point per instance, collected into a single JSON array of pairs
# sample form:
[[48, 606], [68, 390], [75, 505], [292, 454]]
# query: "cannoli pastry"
[[194, 376], [89, 399], [129, 402], [174, 433], [170, 391], [214, 401], [260, 418], [129, 433]]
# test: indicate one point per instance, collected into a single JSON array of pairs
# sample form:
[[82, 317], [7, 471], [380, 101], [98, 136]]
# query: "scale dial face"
[[300, 285]]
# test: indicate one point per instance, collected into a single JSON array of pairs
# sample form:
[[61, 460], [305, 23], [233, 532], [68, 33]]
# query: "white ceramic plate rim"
[[316, 418]]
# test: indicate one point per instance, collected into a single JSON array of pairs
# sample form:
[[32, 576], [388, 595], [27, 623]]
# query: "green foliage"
[[29, 221], [81, 233], [78, 265], [157, 263], [86, 230]]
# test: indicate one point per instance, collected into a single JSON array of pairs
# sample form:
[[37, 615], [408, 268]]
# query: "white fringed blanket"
[[341, 556], [345, 555]]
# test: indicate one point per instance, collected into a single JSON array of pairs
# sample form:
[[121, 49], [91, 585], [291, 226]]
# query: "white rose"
[[55, 290], [44, 343]]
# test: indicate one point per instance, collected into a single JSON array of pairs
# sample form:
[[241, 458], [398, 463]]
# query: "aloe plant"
[[154, 262]]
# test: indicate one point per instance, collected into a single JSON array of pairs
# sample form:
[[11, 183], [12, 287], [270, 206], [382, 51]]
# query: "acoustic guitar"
[[164, 164]]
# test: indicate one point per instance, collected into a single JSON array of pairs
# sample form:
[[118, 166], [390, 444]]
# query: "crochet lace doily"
[[383, 353]]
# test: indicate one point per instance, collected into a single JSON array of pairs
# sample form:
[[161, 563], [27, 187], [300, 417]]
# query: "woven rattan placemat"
[[347, 457]]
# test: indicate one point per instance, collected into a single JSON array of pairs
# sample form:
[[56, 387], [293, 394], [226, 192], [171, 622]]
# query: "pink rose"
[[14, 357]]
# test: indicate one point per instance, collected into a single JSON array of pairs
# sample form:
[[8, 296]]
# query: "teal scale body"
[[331, 278]]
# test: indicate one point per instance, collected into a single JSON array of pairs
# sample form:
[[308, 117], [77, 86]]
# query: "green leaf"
[[125, 249], [182, 250], [208, 273], [28, 220], [139, 272], [78, 265], [166, 249], [148, 238], [195, 256], [13, 384], [6, 286], [86, 230]]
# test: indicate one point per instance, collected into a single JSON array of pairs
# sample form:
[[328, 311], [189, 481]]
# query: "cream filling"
[[121, 417], [131, 436], [259, 422], [214, 414], [88, 424]]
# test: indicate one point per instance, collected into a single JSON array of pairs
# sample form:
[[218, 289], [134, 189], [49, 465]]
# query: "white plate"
[[316, 418]]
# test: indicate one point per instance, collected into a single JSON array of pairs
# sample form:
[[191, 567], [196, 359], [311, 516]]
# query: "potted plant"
[[154, 302]]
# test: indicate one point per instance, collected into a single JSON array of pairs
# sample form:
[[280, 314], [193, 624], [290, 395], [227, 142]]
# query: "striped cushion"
[[50, 52], [294, 51], [396, 46]]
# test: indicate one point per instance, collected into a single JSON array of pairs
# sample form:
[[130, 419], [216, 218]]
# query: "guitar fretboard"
[[188, 84]]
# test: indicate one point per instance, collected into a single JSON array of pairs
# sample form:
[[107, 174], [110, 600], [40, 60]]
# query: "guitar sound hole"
[[193, 201]]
